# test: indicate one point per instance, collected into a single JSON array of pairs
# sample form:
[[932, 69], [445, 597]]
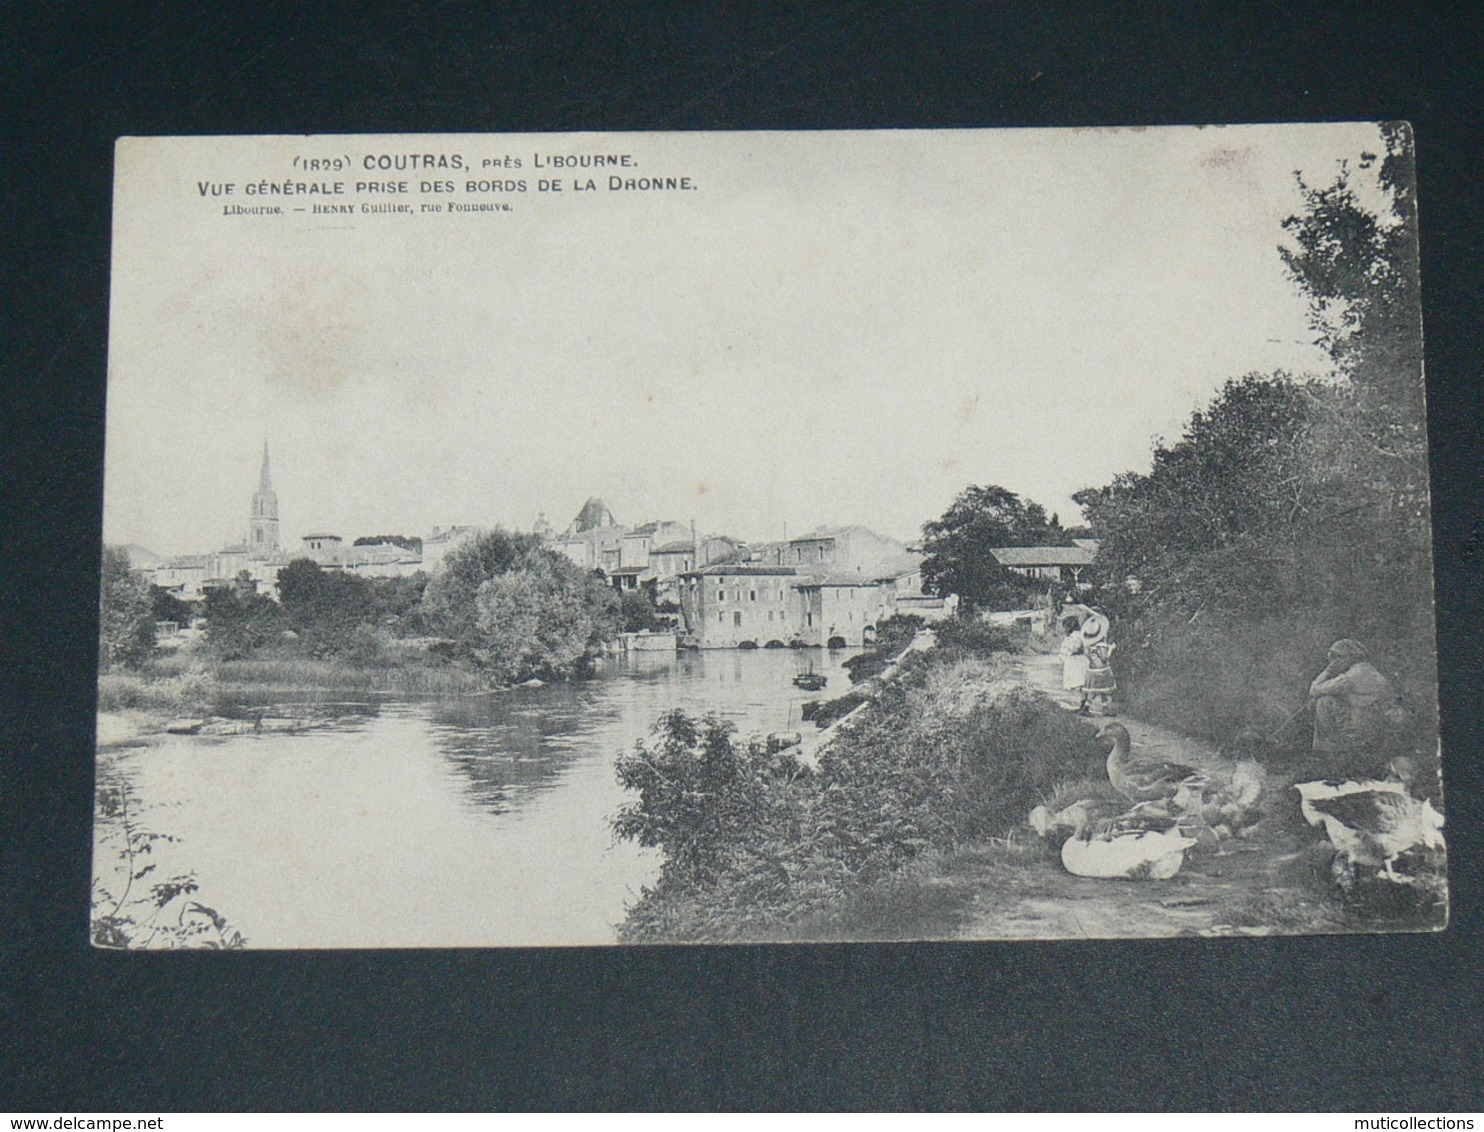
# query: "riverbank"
[[1274, 880], [951, 749], [192, 695], [134, 705]]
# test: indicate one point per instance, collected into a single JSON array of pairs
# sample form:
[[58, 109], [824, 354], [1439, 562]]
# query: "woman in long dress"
[[1073, 659]]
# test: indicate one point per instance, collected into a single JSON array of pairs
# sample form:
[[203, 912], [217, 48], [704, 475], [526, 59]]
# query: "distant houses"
[[262, 555], [832, 586]]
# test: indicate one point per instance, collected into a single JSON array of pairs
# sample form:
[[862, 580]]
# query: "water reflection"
[[309, 704], [511, 741], [478, 821]]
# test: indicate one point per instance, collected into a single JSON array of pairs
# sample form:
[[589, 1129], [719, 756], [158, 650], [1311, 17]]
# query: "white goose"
[[1143, 844], [1372, 822]]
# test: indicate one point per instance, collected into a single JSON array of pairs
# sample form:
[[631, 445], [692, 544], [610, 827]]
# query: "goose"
[[1177, 783], [1233, 809], [1372, 822], [1135, 846], [1081, 814]]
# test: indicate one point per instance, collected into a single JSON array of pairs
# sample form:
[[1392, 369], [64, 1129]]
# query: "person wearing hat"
[[1354, 712], [1098, 685]]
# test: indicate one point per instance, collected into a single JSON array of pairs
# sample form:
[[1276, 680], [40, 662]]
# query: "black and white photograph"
[[547, 540]]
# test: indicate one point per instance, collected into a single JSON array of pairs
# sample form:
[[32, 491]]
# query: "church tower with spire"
[[262, 534]]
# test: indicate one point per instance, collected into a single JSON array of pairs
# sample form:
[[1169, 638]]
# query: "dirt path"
[[1273, 880]]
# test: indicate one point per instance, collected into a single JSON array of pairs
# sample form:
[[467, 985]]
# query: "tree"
[[958, 545], [448, 601], [638, 611], [545, 617], [1290, 513], [326, 607], [515, 609], [239, 622], [1216, 522], [397, 602], [1359, 271], [165, 606], [125, 621]]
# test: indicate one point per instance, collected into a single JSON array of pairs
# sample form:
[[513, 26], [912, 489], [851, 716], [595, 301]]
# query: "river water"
[[481, 821]]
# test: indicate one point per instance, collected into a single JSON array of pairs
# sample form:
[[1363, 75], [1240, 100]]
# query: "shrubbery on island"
[[503, 609]]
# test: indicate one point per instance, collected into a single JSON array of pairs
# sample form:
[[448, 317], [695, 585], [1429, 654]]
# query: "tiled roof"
[[743, 570], [1042, 556]]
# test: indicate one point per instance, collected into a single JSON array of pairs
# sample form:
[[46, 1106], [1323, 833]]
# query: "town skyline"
[[835, 333], [287, 542]]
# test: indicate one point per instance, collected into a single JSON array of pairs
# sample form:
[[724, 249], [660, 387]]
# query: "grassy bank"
[[951, 753], [193, 686], [335, 675]]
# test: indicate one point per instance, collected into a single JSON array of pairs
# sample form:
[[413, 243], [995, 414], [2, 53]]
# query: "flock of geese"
[[1158, 811]]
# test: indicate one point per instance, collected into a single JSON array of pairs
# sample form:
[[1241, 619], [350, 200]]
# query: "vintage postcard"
[[582, 539]]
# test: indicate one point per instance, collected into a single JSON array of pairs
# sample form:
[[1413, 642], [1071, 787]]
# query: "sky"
[[825, 328]]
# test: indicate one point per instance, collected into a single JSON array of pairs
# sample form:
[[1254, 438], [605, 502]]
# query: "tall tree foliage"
[[545, 617], [125, 620], [1359, 271], [1289, 513], [448, 602], [958, 545], [1211, 529], [516, 609], [240, 621], [325, 607]]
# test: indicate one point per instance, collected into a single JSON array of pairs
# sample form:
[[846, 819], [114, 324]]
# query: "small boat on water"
[[810, 680]]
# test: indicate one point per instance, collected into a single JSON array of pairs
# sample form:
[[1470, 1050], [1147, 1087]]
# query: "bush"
[[962, 755], [637, 611], [971, 637], [822, 713], [239, 621], [191, 693], [892, 636], [701, 793], [955, 751], [135, 906]]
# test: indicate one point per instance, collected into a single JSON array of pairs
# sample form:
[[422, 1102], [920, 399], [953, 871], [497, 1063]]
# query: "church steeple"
[[262, 535]]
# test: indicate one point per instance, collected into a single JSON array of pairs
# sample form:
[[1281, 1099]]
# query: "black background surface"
[[1356, 1023]]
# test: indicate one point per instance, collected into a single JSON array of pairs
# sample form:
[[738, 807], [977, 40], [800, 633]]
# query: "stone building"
[[841, 550], [730, 604], [437, 545], [832, 587]]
